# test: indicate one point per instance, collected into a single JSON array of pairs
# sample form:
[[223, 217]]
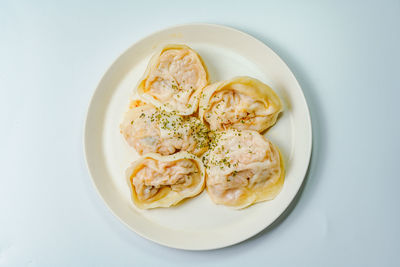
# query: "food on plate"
[[164, 181], [180, 117], [241, 103], [174, 79], [242, 168], [152, 130]]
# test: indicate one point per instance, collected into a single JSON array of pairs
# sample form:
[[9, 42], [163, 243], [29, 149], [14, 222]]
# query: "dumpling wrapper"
[[163, 181], [243, 168], [174, 79], [241, 103], [151, 130]]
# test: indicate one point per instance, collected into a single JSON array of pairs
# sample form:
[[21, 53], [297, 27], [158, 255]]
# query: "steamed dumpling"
[[163, 181], [174, 79], [243, 168], [152, 130], [241, 103]]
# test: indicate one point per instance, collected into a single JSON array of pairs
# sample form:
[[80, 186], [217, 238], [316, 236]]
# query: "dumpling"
[[163, 181], [241, 103], [243, 168], [151, 130], [174, 79]]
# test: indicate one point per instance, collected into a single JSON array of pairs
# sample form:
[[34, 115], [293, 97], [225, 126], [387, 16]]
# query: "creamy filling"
[[154, 175], [230, 109], [153, 130], [176, 77], [240, 161]]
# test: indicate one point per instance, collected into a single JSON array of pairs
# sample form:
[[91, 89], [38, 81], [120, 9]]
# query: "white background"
[[344, 55]]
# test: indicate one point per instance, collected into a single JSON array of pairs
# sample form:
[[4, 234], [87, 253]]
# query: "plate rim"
[[114, 63]]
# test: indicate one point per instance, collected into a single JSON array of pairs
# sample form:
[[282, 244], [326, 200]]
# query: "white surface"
[[346, 58], [198, 224]]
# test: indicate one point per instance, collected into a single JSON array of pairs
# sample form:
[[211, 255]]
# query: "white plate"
[[197, 224]]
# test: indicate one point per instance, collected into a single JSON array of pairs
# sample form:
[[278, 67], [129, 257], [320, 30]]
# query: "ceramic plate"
[[197, 224]]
